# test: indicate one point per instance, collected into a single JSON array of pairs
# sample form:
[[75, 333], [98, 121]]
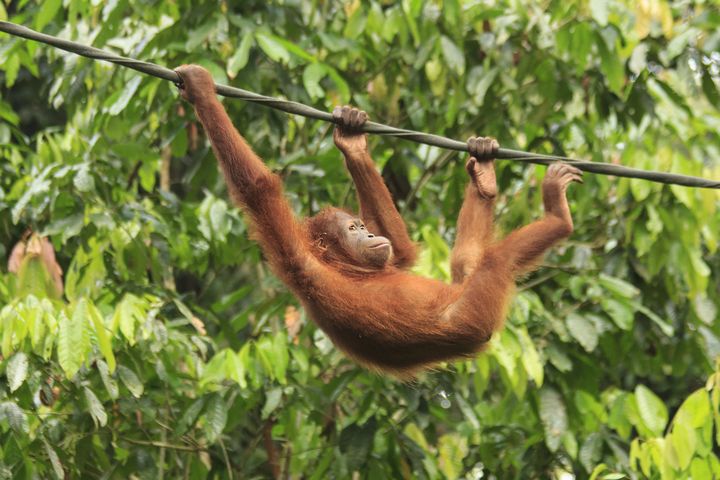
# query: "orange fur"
[[386, 319]]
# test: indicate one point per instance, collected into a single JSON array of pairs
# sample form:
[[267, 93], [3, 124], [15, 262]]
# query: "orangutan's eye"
[[362, 227], [353, 228]]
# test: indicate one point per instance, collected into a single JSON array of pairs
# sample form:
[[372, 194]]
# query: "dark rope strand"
[[369, 127]]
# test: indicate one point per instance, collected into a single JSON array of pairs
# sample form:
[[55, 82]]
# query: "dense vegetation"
[[173, 352]]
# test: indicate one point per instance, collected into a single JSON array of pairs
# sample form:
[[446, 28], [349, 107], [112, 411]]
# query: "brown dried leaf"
[[33, 245], [199, 325], [292, 322], [47, 253], [16, 257]]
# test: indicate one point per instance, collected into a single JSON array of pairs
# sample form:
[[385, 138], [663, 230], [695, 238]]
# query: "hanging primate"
[[350, 272]]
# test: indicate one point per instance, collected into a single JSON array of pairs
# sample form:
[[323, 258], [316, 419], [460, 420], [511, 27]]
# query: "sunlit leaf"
[[47, 12], [583, 330], [54, 460], [553, 416], [95, 408], [612, 66], [73, 339], [272, 48], [651, 409], [17, 370], [590, 451], [131, 381], [127, 93], [454, 57], [240, 58], [683, 440], [15, 416], [272, 401], [103, 336], [110, 383], [452, 448], [215, 418]]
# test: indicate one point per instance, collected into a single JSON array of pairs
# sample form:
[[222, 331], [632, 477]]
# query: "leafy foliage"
[[175, 353]]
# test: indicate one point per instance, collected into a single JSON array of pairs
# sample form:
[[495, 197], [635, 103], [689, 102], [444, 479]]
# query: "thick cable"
[[370, 127]]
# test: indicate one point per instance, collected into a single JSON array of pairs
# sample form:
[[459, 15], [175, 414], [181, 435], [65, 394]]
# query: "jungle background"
[[172, 352]]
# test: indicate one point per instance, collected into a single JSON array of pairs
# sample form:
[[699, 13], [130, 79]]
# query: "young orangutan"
[[350, 273]]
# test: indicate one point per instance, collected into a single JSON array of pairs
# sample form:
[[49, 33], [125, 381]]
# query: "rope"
[[369, 127]]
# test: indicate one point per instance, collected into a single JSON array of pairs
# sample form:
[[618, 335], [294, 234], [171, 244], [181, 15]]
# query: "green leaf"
[[73, 339], [312, 75], [704, 308], [664, 326], [235, 368], [454, 57], [15, 416], [215, 418], [34, 318], [617, 286], [6, 111], [54, 460], [600, 11], [240, 58], [17, 370], [530, 358], [710, 88], [110, 384], [611, 66], [468, 412], [695, 409], [553, 416], [128, 313], [583, 330], [699, 468], [356, 22], [102, 335], [95, 408], [83, 179], [340, 84], [215, 222], [652, 410], [66, 227], [201, 33], [452, 449], [591, 451], [272, 401], [272, 48], [38, 186], [8, 317], [127, 93], [581, 43], [621, 313], [280, 357], [638, 60], [356, 441], [189, 417], [11, 66], [683, 441], [295, 49], [264, 348], [48, 10], [131, 381], [559, 359], [479, 82]]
